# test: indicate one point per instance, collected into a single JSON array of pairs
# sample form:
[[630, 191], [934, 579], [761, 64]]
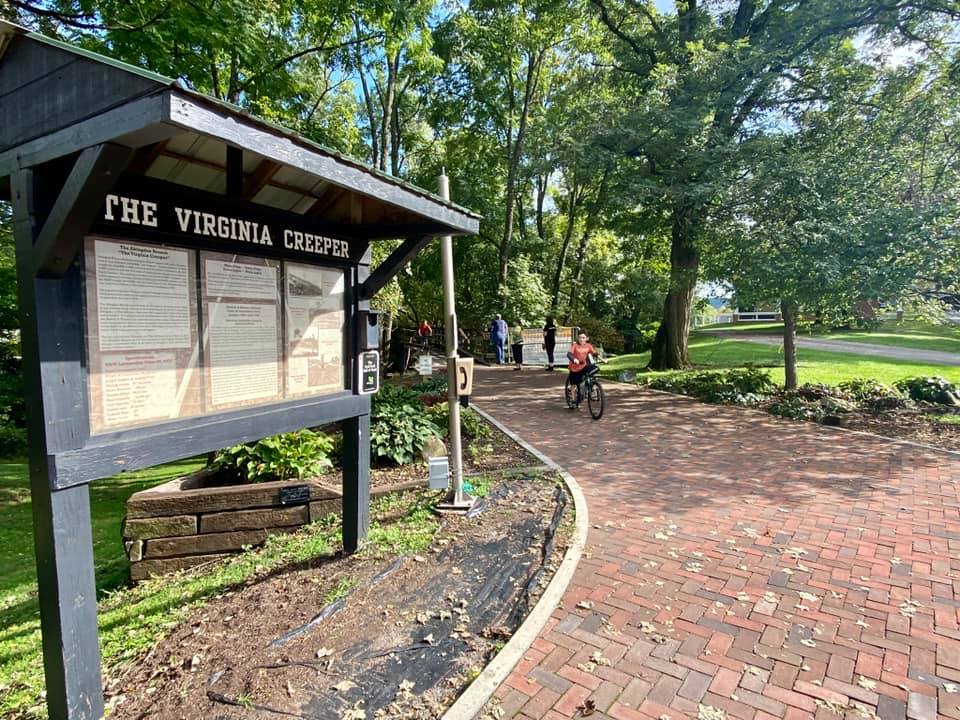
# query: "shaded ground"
[[740, 565], [394, 636]]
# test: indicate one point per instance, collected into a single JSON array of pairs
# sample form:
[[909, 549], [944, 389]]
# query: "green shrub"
[[395, 395], [796, 408], [471, 423], [281, 457], [930, 389], [643, 337], [433, 385], [867, 389], [13, 442], [398, 432], [818, 391], [742, 386], [602, 334]]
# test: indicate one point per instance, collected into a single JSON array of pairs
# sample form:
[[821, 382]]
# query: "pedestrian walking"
[[516, 345], [498, 336], [549, 340]]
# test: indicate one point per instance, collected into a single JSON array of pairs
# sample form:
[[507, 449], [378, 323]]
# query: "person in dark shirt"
[[498, 336], [549, 340]]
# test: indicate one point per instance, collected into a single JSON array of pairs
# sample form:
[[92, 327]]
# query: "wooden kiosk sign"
[[189, 278]]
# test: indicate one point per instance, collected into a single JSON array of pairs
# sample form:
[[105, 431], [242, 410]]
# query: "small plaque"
[[369, 367], [295, 495], [425, 365]]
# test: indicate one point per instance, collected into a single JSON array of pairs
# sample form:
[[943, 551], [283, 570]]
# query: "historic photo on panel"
[[315, 330], [142, 349]]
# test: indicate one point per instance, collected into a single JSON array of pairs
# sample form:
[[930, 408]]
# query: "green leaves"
[[295, 455], [397, 432]]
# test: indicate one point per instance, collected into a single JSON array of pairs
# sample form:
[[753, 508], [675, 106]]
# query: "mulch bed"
[[403, 643], [913, 425]]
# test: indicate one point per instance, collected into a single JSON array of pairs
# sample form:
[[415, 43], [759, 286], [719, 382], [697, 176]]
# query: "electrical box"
[[439, 473], [369, 329]]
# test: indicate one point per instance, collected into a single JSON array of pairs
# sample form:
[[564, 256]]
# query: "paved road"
[[933, 357], [736, 561]]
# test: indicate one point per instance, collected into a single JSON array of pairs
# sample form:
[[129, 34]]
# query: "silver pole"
[[450, 324]]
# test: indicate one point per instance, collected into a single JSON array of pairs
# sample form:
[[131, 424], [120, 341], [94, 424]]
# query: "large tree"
[[700, 82], [282, 59], [852, 202]]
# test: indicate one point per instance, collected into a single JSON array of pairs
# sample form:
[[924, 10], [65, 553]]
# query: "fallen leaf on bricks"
[[588, 708], [708, 712]]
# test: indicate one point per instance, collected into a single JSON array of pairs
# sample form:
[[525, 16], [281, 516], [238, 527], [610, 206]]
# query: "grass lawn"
[[20, 626], [910, 334], [907, 333], [814, 366]]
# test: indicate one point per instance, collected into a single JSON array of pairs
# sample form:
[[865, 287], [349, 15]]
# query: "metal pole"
[[459, 499]]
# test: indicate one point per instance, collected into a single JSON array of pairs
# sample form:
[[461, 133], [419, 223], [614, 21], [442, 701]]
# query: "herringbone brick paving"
[[740, 565]]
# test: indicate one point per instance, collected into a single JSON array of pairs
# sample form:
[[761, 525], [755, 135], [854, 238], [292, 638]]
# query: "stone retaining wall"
[[181, 523]]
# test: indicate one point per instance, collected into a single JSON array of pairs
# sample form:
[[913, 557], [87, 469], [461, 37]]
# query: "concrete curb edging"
[[471, 702]]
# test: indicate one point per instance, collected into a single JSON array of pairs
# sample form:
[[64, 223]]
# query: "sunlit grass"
[[814, 366], [906, 333]]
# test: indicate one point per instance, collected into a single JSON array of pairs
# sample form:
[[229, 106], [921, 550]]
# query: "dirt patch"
[[387, 634], [913, 425]]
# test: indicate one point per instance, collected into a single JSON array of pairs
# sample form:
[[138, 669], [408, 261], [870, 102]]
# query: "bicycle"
[[573, 393]]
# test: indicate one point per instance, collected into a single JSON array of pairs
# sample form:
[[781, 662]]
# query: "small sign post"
[[425, 365]]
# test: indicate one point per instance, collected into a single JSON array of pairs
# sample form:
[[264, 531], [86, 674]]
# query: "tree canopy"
[[805, 153]]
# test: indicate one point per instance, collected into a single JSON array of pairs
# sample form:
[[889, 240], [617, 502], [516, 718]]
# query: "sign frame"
[[90, 456]]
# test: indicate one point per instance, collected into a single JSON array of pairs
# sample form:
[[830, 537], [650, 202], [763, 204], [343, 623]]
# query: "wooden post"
[[61, 518], [356, 481], [356, 430]]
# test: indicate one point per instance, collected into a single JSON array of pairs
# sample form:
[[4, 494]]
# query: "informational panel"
[[241, 330], [174, 333], [315, 329], [142, 346]]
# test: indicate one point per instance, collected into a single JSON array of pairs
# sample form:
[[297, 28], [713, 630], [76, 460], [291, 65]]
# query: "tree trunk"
[[592, 210], [367, 97], [389, 98], [578, 272], [541, 183], [670, 344], [789, 311], [533, 76], [567, 237], [395, 141]]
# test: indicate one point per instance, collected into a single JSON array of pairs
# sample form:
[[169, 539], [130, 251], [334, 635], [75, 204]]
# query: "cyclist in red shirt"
[[579, 357]]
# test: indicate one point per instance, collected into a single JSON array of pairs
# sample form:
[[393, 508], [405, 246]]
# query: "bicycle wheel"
[[595, 400], [570, 393]]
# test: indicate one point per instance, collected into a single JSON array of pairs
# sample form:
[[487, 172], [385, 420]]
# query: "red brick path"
[[740, 564]]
